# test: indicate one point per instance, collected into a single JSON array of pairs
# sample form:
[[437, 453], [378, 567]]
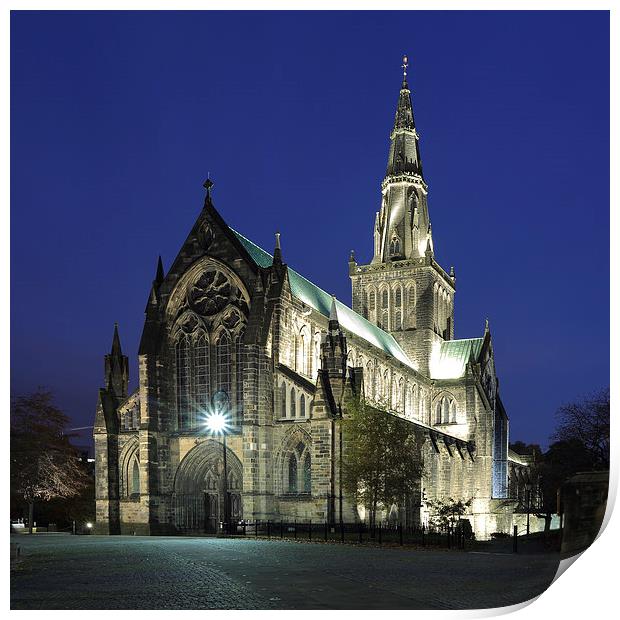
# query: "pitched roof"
[[449, 360], [321, 301]]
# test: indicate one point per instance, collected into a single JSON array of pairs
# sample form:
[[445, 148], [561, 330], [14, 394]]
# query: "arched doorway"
[[198, 497]]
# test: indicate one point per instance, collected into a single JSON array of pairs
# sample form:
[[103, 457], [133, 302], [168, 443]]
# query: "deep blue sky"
[[117, 117]]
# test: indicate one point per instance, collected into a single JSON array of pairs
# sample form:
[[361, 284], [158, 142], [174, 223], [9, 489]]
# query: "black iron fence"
[[450, 537]]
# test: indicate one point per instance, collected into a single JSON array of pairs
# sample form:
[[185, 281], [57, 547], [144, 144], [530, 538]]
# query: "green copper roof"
[[450, 359], [321, 301]]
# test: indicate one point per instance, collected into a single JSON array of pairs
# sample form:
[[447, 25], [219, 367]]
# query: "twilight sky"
[[116, 118]]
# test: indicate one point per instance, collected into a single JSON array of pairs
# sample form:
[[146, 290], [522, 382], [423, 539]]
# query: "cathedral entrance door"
[[211, 513], [199, 490]]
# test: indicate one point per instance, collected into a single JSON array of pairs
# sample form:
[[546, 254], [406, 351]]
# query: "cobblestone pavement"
[[126, 572]]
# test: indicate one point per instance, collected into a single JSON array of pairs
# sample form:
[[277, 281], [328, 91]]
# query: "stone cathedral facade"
[[232, 322]]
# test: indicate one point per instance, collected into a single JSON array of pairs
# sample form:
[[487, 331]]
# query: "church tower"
[[403, 289]]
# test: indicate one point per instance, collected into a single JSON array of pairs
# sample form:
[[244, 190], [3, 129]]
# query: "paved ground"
[[126, 572]]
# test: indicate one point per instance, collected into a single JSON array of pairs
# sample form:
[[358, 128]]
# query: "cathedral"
[[231, 327]]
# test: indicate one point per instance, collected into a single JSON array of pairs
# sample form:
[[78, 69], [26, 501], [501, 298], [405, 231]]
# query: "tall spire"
[[401, 226], [404, 150]]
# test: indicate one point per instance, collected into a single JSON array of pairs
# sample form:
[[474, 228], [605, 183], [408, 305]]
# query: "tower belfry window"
[[395, 246]]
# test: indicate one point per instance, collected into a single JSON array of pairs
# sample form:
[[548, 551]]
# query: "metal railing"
[[382, 533]]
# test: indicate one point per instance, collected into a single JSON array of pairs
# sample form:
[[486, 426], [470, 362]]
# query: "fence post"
[[268, 528], [448, 537], [379, 532], [281, 529], [244, 529], [423, 543], [514, 540], [360, 531], [400, 533], [256, 521], [73, 527], [310, 530], [295, 530], [341, 531]]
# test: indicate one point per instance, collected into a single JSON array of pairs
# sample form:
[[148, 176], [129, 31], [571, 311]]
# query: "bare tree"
[[587, 421], [44, 465]]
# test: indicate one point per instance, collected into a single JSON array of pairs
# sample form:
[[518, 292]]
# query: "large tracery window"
[[445, 411], [298, 470], [302, 406], [183, 381]]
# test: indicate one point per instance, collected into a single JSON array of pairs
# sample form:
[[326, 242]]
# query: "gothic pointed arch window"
[[283, 399], [411, 307], [365, 304], [397, 320], [386, 386], [414, 402], [395, 245], [307, 488], [401, 395], [293, 403], [368, 380], [445, 410], [302, 353], [453, 412], [438, 412], [135, 478], [372, 305], [302, 406], [183, 371], [224, 364], [292, 473], [316, 354], [201, 374]]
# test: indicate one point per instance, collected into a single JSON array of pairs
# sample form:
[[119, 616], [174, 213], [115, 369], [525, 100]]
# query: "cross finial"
[[405, 65], [208, 184]]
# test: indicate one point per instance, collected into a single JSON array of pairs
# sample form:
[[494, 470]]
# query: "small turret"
[[334, 346], [117, 368]]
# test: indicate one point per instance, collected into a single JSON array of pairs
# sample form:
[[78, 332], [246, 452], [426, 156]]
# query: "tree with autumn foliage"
[[44, 465]]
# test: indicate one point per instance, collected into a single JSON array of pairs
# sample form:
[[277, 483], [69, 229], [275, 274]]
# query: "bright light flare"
[[89, 525], [217, 423]]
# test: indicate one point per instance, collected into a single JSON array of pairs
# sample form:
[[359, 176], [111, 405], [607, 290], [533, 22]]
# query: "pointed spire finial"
[[352, 256], [333, 312], [116, 342], [159, 275], [277, 253], [486, 326], [208, 184]]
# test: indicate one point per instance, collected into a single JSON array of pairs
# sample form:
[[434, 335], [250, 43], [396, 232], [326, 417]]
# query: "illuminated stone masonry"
[[231, 326]]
